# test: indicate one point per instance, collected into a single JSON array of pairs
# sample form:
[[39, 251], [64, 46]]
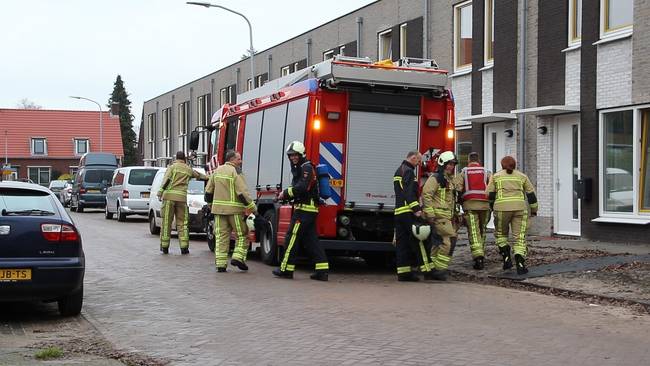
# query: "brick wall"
[[614, 74], [552, 33], [461, 86], [544, 186], [56, 165], [572, 79], [488, 95]]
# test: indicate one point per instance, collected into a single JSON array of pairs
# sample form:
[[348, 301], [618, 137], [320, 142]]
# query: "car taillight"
[[125, 194], [82, 190], [57, 232]]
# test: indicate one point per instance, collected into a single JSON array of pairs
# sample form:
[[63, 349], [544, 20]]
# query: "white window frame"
[[73, 169], [328, 55], [152, 135], [573, 41], [637, 119], [488, 29], [258, 80], [39, 167], [621, 31], [249, 84], [167, 126], [32, 141], [295, 66], [403, 34], [183, 123], [76, 141], [456, 36], [286, 70], [223, 95], [381, 37], [342, 50]]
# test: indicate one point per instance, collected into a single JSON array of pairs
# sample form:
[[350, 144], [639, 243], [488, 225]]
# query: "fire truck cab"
[[357, 117]]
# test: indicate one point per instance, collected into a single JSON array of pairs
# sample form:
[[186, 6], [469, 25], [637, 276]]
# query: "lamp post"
[[250, 32], [101, 122]]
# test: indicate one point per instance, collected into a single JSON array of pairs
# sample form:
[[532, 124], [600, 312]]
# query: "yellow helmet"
[[296, 147], [447, 157]]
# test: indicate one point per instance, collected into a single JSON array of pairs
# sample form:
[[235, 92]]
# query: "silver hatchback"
[[129, 192]]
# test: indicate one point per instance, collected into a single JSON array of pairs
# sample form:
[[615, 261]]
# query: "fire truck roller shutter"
[[272, 146], [295, 131], [377, 143], [251, 150]]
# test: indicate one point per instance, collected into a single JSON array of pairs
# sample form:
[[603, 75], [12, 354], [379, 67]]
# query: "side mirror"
[[194, 140]]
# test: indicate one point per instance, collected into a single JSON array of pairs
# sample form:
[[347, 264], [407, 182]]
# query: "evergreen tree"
[[121, 97]]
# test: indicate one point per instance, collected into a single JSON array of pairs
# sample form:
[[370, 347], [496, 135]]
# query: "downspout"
[[523, 13], [359, 23], [308, 52], [270, 65], [425, 52]]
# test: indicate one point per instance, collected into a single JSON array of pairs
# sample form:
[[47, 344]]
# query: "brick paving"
[[176, 307]]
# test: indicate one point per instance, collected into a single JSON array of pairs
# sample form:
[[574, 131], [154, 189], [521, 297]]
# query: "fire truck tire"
[[268, 244], [379, 260]]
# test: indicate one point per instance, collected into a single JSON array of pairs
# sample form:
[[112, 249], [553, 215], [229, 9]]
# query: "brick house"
[[41, 145]]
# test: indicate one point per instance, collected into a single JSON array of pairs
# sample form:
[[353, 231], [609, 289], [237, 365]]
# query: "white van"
[[129, 192], [195, 203]]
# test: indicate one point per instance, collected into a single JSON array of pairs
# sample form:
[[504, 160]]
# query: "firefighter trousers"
[[515, 221], [409, 250], [441, 254], [302, 232], [224, 225], [171, 210], [476, 221]]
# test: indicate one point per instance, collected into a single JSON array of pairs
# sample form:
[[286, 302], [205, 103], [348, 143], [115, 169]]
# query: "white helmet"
[[421, 231], [250, 222], [447, 157], [296, 147]]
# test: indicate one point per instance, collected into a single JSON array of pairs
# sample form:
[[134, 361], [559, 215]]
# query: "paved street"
[[176, 307]]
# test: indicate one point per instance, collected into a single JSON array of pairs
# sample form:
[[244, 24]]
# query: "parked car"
[[129, 192], [89, 188], [41, 255], [65, 194], [56, 186], [195, 203]]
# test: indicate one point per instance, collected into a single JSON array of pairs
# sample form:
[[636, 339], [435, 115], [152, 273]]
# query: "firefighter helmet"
[[250, 222], [296, 147], [447, 157], [421, 231]]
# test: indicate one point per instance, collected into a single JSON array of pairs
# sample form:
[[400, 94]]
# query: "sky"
[[52, 49]]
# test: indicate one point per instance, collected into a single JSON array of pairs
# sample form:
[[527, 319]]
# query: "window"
[[151, 121], [259, 80], [249, 84], [142, 177], [402, 40], [39, 146], [342, 50], [644, 203], [223, 94], [575, 21], [203, 119], [385, 45], [183, 120], [285, 71], [73, 170], [80, 146], [489, 32], [39, 174], [328, 55], [118, 179], [616, 16], [166, 127], [296, 66], [463, 36]]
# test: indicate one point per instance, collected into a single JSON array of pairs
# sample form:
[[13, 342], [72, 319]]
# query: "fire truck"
[[359, 118]]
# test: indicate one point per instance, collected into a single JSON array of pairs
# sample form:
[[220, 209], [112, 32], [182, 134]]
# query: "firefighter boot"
[[479, 263], [164, 250], [507, 259], [282, 274], [436, 275], [239, 264], [185, 250], [408, 277], [319, 276], [221, 269], [521, 264]]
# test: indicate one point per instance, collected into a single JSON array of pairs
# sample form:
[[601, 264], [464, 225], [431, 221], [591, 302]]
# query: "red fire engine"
[[357, 117]]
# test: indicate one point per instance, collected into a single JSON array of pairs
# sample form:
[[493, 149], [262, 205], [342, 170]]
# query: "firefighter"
[[472, 182], [408, 248], [439, 198], [230, 200], [303, 192], [508, 191], [173, 192]]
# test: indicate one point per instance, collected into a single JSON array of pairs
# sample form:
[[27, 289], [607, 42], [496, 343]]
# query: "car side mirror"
[[194, 140]]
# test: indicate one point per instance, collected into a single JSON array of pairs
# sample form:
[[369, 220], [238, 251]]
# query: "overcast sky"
[[51, 49]]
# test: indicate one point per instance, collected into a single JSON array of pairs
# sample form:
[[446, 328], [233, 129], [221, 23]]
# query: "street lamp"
[[101, 122], [250, 32]]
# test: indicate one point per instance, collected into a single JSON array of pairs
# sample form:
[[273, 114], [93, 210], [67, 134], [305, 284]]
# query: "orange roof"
[[60, 128]]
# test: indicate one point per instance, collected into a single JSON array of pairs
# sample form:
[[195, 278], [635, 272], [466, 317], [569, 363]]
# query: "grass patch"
[[49, 353]]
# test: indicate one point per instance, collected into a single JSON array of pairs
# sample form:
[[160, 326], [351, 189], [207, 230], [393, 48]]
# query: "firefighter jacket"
[[509, 192], [176, 179], [228, 192], [405, 185], [303, 191], [472, 183], [439, 202]]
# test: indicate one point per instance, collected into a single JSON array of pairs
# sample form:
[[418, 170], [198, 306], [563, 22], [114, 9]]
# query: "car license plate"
[[7, 275], [93, 191], [144, 194]]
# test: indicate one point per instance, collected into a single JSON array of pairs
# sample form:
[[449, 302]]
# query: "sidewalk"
[[573, 267]]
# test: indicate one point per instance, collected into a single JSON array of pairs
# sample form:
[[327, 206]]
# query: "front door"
[[567, 172], [494, 142]]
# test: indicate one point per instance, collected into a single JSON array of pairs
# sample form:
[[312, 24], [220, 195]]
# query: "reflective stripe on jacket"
[[510, 191], [176, 179], [304, 187], [406, 189], [229, 191], [438, 201]]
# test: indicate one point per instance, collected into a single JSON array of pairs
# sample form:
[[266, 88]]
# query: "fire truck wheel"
[[378, 260], [269, 247]]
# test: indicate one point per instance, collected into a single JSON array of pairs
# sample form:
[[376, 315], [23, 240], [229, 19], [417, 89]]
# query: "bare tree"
[[27, 104]]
